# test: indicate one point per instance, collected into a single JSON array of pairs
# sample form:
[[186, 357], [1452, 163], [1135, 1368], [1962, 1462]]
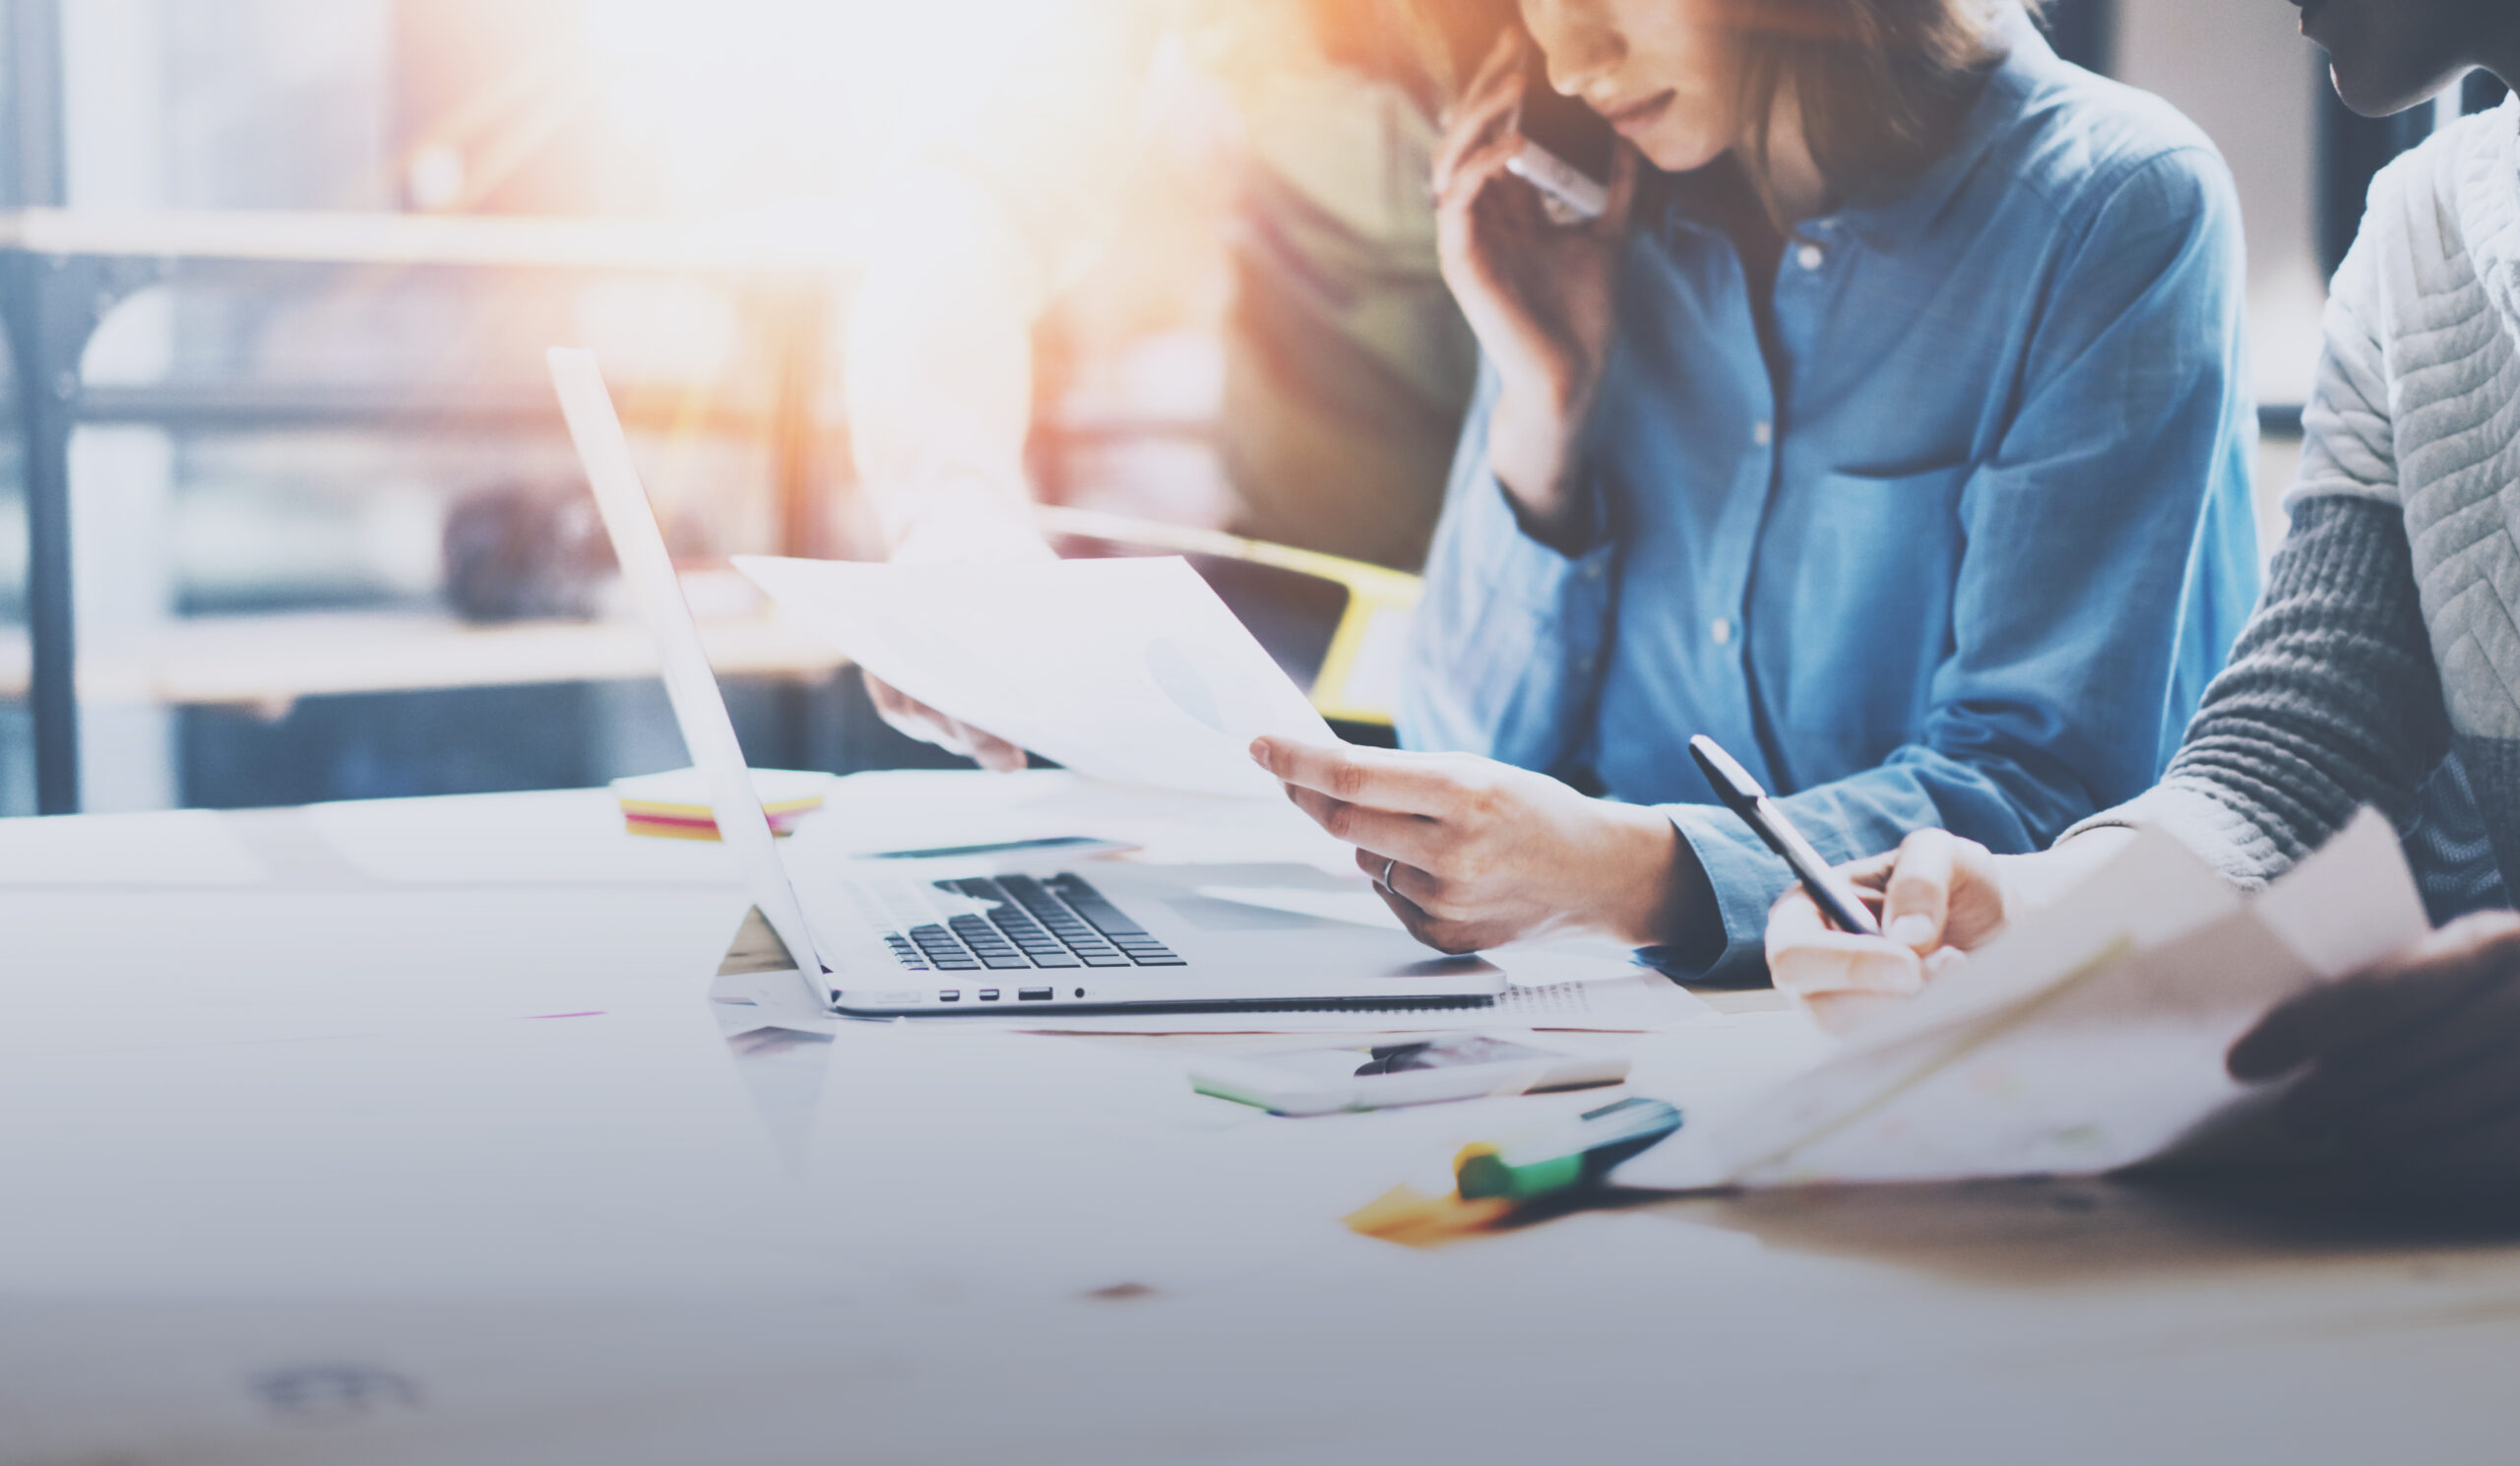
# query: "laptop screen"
[[698, 708]]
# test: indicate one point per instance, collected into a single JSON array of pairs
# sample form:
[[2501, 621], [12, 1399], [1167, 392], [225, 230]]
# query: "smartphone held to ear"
[[1567, 149]]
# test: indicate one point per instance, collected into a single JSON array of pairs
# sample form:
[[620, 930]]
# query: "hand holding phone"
[[1568, 150], [1541, 293]]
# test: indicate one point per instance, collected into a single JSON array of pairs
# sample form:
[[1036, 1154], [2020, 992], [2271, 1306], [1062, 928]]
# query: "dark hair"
[[1883, 85]]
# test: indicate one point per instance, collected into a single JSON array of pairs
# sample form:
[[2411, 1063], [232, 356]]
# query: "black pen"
[[1742, 795]]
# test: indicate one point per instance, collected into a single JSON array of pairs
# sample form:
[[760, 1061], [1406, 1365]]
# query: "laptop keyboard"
[[1058, 922]]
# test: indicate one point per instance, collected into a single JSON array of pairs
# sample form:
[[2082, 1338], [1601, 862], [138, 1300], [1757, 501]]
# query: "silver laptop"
[[892, 939]]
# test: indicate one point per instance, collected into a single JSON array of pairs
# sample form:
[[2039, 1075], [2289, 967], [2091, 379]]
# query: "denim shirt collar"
[[1888, 222]]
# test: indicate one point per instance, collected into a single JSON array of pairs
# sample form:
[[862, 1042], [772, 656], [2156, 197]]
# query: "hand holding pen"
[[1825, 944], [1741, 795]]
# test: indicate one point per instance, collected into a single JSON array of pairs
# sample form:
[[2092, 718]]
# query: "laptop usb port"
[[1034, 995], [988, 994], [950, 995]]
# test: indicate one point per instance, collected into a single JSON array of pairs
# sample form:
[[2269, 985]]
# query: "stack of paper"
[[675, 805], [2088, 1038]]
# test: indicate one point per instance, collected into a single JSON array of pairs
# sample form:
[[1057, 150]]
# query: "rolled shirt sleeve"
[[1512, 632]]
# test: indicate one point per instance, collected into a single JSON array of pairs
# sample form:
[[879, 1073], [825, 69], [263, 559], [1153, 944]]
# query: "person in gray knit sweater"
[[2381, 667]]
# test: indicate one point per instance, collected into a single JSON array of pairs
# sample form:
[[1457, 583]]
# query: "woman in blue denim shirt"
[[1892, 428]]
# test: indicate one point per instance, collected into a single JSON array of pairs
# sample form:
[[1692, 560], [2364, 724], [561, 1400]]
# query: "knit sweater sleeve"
[[2331, 701]]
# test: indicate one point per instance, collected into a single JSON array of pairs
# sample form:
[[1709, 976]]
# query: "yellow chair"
[[1360, 678]]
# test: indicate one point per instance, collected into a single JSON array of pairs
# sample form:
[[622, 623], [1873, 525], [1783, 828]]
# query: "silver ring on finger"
[[1387, 867]]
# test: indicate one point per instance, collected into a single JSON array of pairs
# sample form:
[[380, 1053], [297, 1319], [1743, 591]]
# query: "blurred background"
[[279, 273]]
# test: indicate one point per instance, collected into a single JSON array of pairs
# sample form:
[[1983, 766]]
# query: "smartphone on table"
[[1366, 1076], [1567, 149]]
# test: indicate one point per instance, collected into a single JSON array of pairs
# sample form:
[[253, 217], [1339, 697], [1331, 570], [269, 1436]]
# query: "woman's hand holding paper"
[[1471, 854], [916, 719]]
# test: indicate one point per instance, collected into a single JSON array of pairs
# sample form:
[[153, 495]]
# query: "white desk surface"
[[402, 1133]]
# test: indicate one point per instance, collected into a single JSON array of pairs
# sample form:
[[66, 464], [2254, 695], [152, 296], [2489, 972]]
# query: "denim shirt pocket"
[[1875, 558]]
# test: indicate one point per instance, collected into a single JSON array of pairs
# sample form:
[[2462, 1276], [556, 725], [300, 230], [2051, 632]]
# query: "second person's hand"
[[908, 716], [1938, 896], [2406, 1071]]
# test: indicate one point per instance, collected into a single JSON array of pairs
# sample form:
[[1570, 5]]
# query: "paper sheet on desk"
[[1125, 670], [2089, 1038]]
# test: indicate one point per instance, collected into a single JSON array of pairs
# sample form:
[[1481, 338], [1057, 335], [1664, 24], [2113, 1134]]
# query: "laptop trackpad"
[[1209, 913]]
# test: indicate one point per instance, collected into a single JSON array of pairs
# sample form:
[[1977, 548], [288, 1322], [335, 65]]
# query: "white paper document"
[[1125, 670], [2089, 1036]]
